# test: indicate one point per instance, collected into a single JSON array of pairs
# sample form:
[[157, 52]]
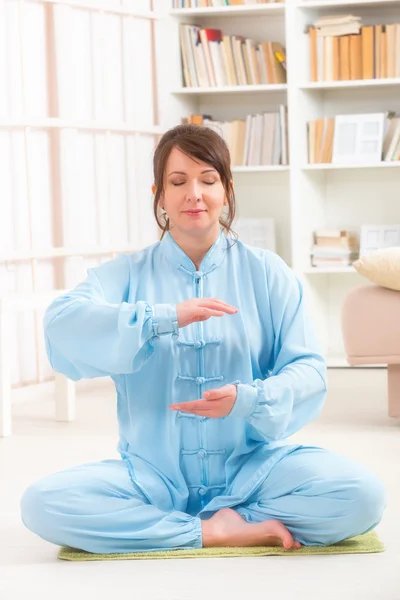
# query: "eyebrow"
[[183, 172]]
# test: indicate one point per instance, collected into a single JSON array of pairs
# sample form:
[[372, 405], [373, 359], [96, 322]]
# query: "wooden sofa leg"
[[394, 390]]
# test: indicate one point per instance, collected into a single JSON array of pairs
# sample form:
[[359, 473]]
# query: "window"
[[78, 126]]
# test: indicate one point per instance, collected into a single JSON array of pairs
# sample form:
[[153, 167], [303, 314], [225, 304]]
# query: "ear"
[[153, 189]]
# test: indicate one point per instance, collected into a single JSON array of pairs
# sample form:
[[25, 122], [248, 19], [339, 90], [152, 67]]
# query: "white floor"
[[354, 422]]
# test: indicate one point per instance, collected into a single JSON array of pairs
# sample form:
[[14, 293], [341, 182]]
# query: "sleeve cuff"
[[246, 401], [164, 319]]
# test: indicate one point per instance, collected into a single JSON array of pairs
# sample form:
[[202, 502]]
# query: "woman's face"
[[193, 196]]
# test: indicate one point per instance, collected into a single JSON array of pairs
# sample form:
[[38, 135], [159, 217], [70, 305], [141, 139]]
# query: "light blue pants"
[[321, 497]]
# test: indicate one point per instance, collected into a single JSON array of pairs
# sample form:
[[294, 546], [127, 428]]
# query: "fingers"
[[201, 413], [213, 303], [192, 405], [220, 302], [205, 313]]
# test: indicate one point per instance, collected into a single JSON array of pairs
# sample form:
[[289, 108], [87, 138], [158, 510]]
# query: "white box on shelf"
[[358, 138], [376, 237], [256, 232]]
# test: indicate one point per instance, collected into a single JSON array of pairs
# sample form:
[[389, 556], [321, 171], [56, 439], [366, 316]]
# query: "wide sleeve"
[[294, 393], [93, 331]]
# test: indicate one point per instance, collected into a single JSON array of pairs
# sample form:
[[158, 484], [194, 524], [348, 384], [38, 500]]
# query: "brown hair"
[[203, 144]]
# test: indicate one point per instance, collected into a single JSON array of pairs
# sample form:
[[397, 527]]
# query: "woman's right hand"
[[201, 309]]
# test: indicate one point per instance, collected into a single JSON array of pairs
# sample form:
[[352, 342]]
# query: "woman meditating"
[[215, 365]]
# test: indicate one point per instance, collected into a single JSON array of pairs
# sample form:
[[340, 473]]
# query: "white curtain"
[[95, 67]]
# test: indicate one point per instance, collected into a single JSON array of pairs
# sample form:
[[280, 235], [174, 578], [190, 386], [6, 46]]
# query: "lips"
[[194, 212]]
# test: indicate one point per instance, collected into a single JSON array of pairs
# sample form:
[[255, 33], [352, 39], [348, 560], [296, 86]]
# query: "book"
[[391, 50], [334, 248], [280, 55], [319, 134], [392, 140], [328, 60], [206, 36], [355, 57], [260, 139], [311, 129], [279, 72], [344, 58], [367, 45], [327, 145], [364, 52], [377, 50], [228, 51], [312, 32]]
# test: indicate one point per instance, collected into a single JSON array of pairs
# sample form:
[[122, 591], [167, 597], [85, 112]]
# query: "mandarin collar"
[[177, 257]]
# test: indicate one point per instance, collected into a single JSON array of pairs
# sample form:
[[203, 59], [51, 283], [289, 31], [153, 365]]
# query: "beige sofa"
[[371, 331]]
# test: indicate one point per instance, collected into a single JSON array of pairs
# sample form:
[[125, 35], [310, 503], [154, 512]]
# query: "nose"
[[193, 193]]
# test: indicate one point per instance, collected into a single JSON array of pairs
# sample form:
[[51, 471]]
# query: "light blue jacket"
[[121, 322]]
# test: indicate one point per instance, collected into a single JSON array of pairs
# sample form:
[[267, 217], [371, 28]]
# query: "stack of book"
[[211, 59], [259, 140], [320, 140], [334, 248], [340, 139], [338, 25], [206, 3], [341, 49]]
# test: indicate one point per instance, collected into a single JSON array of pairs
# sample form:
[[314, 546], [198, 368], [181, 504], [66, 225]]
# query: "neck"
[[195, 247]]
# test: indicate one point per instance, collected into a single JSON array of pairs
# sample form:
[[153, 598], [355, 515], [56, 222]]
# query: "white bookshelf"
[[300, 197], [262, 169], [336, 167], [237, 89], [307, 4], [230, 11], [365, 84]]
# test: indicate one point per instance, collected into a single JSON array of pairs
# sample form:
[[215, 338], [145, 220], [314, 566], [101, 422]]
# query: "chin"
[[198, 229]]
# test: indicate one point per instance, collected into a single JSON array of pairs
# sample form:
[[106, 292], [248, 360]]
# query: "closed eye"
[[182, 183]]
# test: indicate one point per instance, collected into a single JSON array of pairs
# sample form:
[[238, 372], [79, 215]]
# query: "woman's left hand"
[[215, 403]]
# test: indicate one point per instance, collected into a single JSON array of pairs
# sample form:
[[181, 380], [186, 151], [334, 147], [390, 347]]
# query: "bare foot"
[[228, 528]]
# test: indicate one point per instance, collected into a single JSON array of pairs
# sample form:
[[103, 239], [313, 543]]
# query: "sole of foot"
[[228, 528]]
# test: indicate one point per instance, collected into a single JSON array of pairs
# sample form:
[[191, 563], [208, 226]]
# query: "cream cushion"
[[381, 267]]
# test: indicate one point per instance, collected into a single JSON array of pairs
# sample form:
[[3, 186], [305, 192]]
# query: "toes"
[[288, 541], [297, 545]]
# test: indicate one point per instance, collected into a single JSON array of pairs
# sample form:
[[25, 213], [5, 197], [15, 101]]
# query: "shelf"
[[261, 169], [359, 83], [337, 167], [345, 3], [55, 123], [329, 270], [230, 11], [233, 89]]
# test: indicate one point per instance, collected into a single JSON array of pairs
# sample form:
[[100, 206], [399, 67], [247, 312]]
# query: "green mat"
[[362, 544]]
